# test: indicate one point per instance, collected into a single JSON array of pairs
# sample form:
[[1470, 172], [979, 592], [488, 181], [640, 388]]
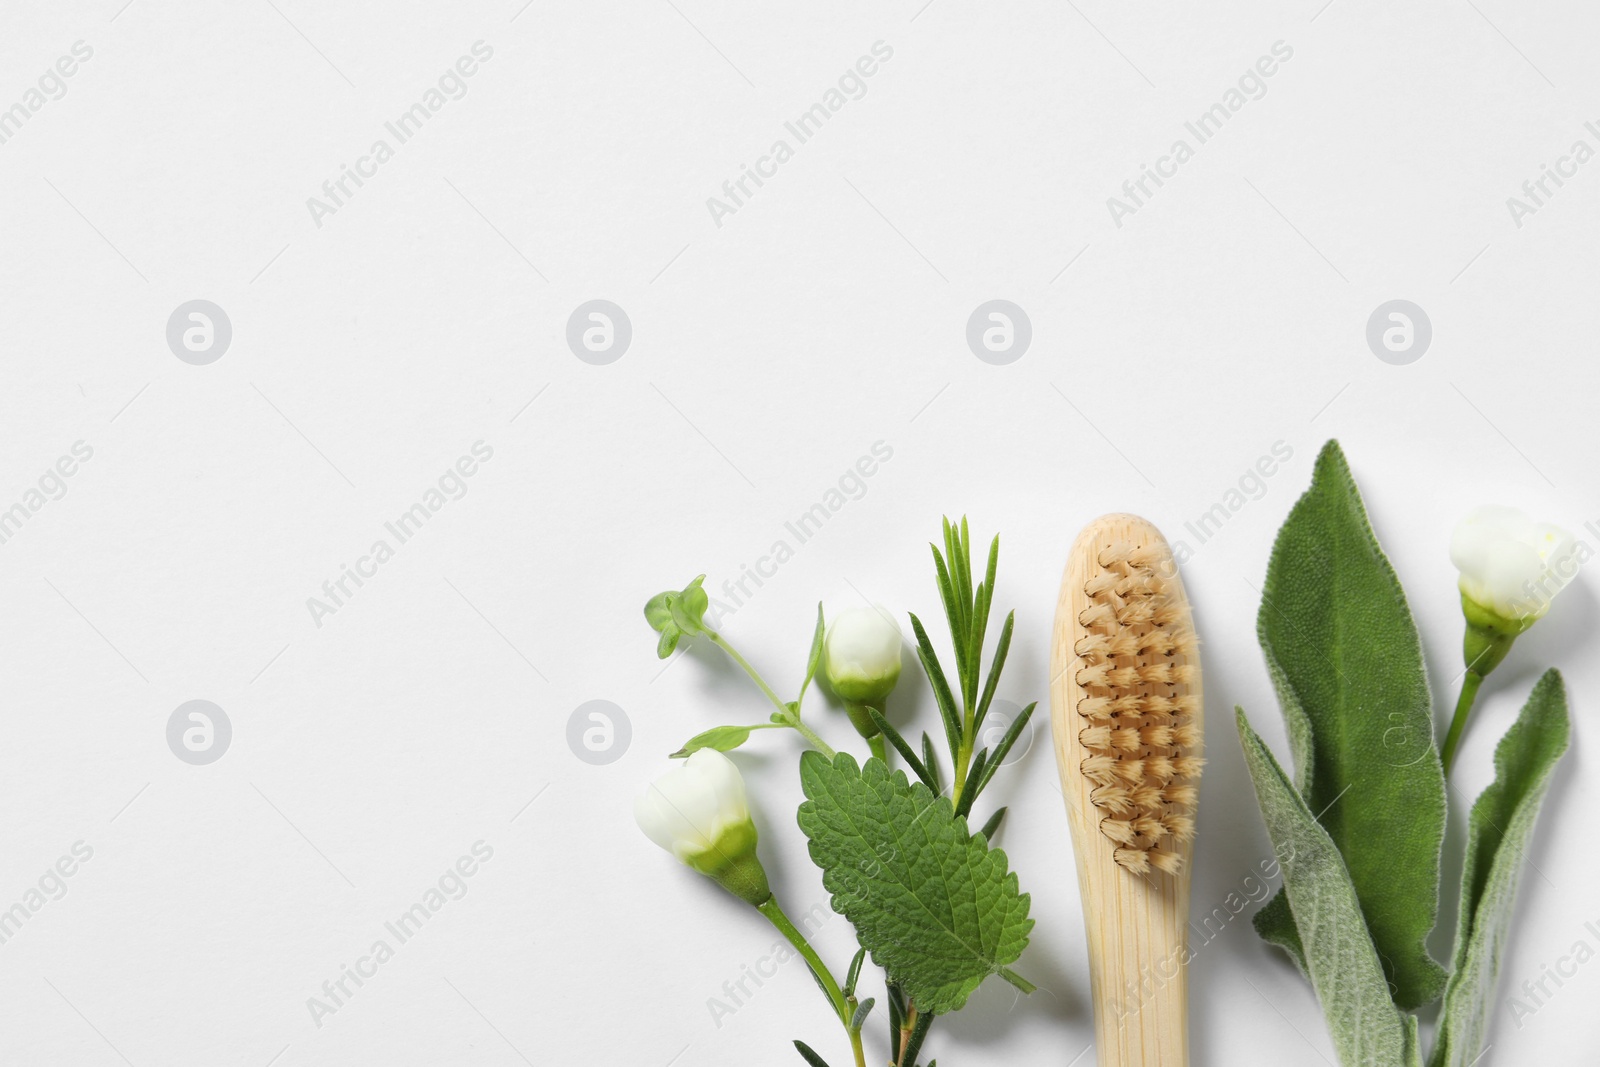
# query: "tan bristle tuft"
[[1136, 860], [1118, 830], [1137, 674], [1165, 862]]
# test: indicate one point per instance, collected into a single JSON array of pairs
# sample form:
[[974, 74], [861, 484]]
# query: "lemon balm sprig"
[[677, 613], [699, 812]]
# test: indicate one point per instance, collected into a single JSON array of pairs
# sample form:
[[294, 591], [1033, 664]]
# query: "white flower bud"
[[698, 812], [862, 654], [1511, 566]]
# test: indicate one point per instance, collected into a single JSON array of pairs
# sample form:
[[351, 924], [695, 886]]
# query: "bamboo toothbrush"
[[1127, 718]]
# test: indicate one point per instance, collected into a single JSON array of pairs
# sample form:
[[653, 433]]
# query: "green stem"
[[811, 736], [963, 755], [1469, 693], [1017, 980], [774, 913], [789, 717], [733, 653], [879, 749], [913, 1043]]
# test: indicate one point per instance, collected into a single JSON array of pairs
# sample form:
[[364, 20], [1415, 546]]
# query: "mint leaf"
[[1498, 833], [1340, 957], [1346, 661], [935, 906]]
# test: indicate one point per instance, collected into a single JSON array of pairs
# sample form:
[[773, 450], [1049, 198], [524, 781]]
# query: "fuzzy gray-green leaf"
[[1344, 656], [1498, 834], [935, 906], [1341, 960]]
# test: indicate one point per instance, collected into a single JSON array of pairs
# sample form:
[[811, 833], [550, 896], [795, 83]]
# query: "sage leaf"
[[1345, 659], [1341, 960], [934, 905], [1498, 833]]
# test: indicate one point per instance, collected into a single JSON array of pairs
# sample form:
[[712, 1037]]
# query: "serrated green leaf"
[[1344, 656], [1499, 831], [936, 907], [1341, 959]]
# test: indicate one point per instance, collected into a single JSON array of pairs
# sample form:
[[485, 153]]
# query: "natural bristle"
[[1137, 671]]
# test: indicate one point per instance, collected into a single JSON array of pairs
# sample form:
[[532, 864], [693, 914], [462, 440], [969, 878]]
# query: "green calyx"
[[859, 689], [732, 862], [1489, 635], [861, 718]]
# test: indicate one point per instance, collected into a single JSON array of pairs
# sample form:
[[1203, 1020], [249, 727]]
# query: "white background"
[[829, 312]]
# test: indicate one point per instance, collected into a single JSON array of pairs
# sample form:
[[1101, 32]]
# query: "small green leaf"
[[689, 607], [917, 767], [1344, 656], [948, 711], [668, 642], [814, 659], [854, 973], [721, 738], [996, 665], [658, 612], [859, 1019], [1341, 960], [930, 760], [969, 791], [936, 907], [810, 1057], [1499, 831], [1003, 749], [992, 825]]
